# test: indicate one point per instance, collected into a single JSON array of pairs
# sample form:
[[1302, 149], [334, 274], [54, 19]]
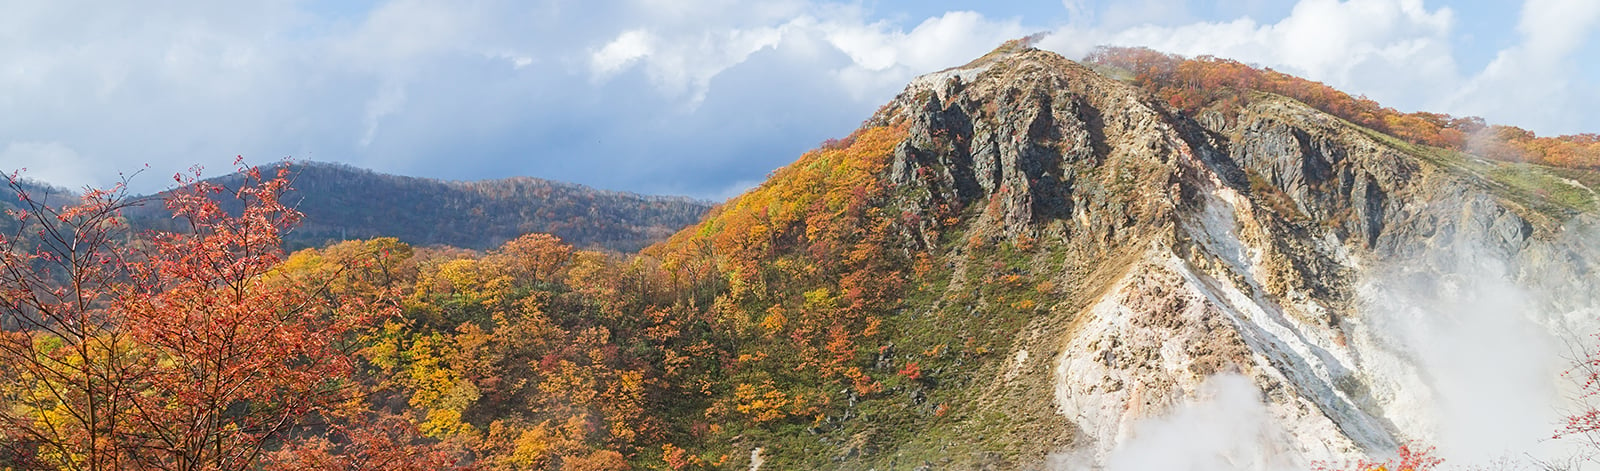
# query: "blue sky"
[[696, 97]]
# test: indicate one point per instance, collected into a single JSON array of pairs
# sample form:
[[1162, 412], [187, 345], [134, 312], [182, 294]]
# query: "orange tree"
[[66, 368], [533, 355], [796, 279], [181, 350], [1207, 82]]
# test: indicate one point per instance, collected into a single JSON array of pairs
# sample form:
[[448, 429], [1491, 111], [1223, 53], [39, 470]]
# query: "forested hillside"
[[1020, 263], [11, 200], [346, 203], [1217, 84]]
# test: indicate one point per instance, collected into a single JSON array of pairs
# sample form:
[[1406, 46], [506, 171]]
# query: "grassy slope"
[[1555, 192], [966, 308]]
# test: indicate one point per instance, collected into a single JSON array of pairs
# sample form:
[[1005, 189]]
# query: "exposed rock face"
[[1240, 244], [1026, 135]]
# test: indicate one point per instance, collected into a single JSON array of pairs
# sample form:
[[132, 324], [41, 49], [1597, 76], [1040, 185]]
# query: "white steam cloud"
[[1487, 329], [1485, 369], [1225, 427], [1460, 348]]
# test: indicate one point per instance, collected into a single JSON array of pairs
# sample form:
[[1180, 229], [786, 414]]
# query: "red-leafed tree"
[[180, 351], [364, 441], [1584, 423], [1407, 458], [66, 368]]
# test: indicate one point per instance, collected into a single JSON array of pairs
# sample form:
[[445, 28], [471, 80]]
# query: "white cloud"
[[884, 59], [628, 47], [1322, 36], [121, 86], [599, 91], [944, 41], [1398, 52], [1392, 50], [1535, 83], [683, 63], [953, 39], [867, 45], [51, 162]]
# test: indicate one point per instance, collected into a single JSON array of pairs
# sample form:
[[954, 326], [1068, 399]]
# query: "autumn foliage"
[[206, 346], [531, 356], [1407, 458], [1206, 82], [1584, 423], [537, 355], [807, 265], [181, 350]]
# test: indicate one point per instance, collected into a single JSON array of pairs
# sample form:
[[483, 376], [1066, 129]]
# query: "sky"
[[692, 97]]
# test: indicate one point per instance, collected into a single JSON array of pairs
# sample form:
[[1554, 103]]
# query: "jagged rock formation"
[[1255, 241]]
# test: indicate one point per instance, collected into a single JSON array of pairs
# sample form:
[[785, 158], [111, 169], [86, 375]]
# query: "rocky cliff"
[[1271, 242]]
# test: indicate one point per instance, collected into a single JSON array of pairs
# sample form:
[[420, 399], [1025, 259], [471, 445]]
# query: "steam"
[[1226, 427], [1489, 369], [1470, 341], [1491, 327], [1460, 347]]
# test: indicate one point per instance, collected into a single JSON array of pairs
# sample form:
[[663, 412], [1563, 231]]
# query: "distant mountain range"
[[342, 202]]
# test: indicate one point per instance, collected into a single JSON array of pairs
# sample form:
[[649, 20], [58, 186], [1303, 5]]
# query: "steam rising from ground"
[[1488, 368], [1490, 335], [1461, 348], [1226, 427]]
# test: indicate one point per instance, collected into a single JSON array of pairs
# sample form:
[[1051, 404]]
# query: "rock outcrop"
[[1257, 244]]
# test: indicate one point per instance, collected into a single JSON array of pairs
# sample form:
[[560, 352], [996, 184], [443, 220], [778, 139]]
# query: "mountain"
[[346, 203], [1023, 262], [41, 192], [1194, 85]]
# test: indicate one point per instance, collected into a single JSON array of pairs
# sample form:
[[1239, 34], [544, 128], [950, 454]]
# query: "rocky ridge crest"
[[1243, 242]]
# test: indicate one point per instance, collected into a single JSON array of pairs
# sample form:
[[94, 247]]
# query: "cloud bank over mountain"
[[700, 97]]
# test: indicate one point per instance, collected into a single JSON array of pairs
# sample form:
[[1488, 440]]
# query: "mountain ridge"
[[1021, 263], [1245, 243], [343, 202]]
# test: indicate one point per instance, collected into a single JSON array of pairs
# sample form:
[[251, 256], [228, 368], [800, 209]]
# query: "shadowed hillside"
[[344, 203]]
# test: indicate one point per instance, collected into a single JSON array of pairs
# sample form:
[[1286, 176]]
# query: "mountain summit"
[[1070, 260], [1021, 263]]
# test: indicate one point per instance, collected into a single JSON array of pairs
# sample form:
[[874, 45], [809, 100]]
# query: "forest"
[[1210, 83], [213, 342], [341, 202], [208, 346], [212, 348]]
